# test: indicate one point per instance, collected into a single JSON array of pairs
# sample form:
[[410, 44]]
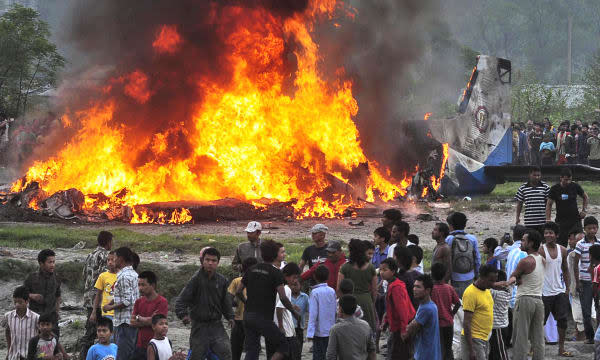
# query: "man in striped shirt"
[[583, 278], [20, 325], [533, 194]]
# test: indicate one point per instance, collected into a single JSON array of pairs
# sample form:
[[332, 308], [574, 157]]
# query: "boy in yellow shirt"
[[237, 332], [104, 289]]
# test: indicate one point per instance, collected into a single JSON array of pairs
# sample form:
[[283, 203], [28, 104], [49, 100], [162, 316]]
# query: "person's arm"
[[58, 301], [447, 260], [239, 294], [302, 264], [279, 313], [8, 338], [583, 212], [186, 299], [577, 256], [413, 328], [236, 263], [286, 302], [373, 288], [150, 355], [96, 305], [332, 346], [477, 258], [313, 305], [340, 279], [32, 349], [62, 351], [518, 217], [226, 305], [549, 204], [468, 334], [308, 273], [565, 268]]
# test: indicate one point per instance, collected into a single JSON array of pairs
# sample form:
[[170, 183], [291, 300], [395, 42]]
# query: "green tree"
[[534, 101], [591, 92], [29, 62]]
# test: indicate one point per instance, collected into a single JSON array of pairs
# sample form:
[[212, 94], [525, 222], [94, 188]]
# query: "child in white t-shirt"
[[160, 348]]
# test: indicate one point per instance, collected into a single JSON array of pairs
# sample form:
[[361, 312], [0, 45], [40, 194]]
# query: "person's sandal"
[[565, 354]]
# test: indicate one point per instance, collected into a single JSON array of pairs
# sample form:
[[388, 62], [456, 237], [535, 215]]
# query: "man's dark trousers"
[[88, 339]]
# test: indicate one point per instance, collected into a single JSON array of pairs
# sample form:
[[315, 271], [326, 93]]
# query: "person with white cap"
[[316, 253], [250, 248]]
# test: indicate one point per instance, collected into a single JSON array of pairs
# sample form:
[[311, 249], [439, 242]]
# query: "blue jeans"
[[586, 297], [125, 338], [320, 347]]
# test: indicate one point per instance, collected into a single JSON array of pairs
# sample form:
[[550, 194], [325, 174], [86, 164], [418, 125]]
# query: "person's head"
[[535, 174], [537, 127], [210, 260], [21, 299], [253, 230], [390, 216], [319, 233], [291, 272], [347, 286], [160, 325], [105, 239], [321, 274], [400, 231], [584, 128], [45, 323], [123, 257], [110, 262], [565, 177], [518, 232], [422, 287], [417, 254], [551, 231], [280, 253], [295, 287], [531, 241], [529, 124], [47, 260], [404, 257], [370, 249], [147, 283], [381, 236], [590, 226], [440, 232], [413, 238], [334, 251], [388, 269], [502, 276], [547, 123], [269, 251], [347, 305], [457, 221], [438, 271], [104, 329], [488, 275], [489, 245], [595, 253], [574, 129], [248, 263], [573, 238], [358, 252]]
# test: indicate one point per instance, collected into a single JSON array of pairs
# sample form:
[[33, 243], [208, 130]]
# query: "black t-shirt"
[[313, 255], [535, 140], [261, 283], [565, 198]]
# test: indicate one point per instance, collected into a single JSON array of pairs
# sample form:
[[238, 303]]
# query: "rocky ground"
[[485, 219]]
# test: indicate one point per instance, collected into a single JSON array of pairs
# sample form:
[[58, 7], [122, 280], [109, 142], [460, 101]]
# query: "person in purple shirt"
[[425, 326], [322, 306], [457, 222], [381, 238]]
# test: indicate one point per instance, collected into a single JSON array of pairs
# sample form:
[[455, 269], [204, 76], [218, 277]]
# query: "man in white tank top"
[[556, 283], [528, 318]]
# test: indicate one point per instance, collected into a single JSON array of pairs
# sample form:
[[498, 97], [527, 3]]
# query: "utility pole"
[[569, 50]]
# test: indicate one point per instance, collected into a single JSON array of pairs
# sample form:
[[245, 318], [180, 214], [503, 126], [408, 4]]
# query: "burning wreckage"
[[245, 148]]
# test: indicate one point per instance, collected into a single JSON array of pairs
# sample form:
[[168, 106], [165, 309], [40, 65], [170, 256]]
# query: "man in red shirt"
[[335, 260], [446, 299], [149, 304], [399, 311]]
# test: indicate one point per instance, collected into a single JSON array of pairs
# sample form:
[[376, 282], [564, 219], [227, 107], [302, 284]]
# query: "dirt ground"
[[494, 222]]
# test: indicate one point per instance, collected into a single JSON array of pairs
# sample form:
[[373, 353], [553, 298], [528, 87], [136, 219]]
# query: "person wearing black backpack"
[[465, 253]]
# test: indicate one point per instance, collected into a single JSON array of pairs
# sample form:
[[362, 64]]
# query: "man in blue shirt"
[[425, 326], [323, 302], [457, 222], [381, 238]]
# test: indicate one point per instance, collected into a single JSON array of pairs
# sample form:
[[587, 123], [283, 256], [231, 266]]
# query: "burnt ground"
[[486, 218]]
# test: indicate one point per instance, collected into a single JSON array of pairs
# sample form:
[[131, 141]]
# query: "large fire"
[[250, 138]]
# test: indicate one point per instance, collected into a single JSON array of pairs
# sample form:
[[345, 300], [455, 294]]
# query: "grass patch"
[[60, 236], [509, 189]]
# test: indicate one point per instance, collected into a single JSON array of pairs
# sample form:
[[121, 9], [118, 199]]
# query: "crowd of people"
[[542, 144], [519, 292]]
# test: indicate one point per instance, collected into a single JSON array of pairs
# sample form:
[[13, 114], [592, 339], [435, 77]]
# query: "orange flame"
[[167, 40], [437, 182], [248, 139], [427, 116]]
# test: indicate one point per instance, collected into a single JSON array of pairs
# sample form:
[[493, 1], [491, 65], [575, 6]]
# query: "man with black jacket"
[[207, 299]]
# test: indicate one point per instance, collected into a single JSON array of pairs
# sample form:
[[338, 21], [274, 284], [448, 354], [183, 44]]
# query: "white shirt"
[[22, 329], [163, 348], [288, 321]]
